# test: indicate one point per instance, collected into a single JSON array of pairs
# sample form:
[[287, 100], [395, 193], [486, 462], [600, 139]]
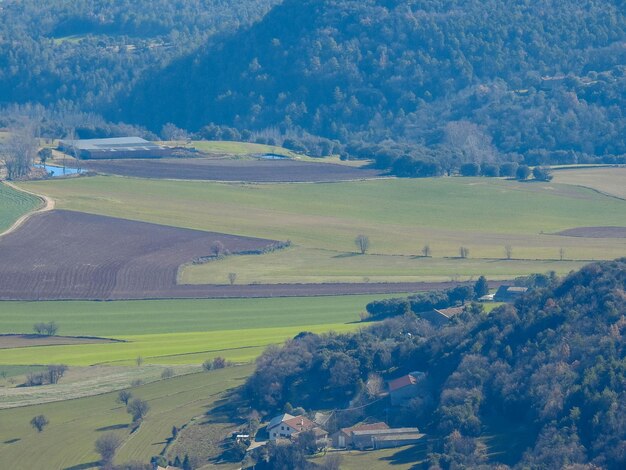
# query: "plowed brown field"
[[72, 255], [261, 171]]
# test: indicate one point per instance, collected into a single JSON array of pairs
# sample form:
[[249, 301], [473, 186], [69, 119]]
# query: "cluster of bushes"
[[51, 375]]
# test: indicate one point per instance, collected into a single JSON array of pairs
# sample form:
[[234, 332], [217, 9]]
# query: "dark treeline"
[[86, 52], [552, 365], [536, 82]]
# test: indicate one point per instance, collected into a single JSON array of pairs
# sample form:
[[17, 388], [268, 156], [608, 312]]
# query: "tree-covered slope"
[[527, 76], [553, 365], [82, 53]]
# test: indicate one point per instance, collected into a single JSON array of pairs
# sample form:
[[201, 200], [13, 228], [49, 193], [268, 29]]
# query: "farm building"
[[439, 317], [509, 293], [406, 387], [385, 438], [287, 426], [114, 148], [344, 437]]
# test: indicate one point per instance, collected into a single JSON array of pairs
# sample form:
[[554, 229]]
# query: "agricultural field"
[[65, 254], [182, 332], [221, 169], [14, 204], [312, 265], [399, 216], [607, 180], [172, 402]]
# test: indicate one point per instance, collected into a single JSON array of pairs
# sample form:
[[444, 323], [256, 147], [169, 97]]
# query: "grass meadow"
[[175, 331], [14, 204], [399, 216], [607, 180], [173, 402]]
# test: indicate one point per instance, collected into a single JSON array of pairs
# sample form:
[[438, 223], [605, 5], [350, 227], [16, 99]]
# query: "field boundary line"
[[47, 205]]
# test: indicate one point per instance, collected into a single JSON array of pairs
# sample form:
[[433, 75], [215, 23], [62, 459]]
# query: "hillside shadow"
[[413, 454]]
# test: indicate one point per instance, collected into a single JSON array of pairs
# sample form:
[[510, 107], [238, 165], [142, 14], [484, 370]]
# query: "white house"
[[285, 426]]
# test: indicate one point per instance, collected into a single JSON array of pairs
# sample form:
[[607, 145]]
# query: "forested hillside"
[[547, 374], [83, 53], [480, 78]]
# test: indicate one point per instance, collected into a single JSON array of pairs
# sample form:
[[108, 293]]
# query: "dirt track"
[[261, 171], [72, 255]]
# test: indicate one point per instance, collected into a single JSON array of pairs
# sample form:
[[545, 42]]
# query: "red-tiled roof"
[[300, 423], [402, 382]]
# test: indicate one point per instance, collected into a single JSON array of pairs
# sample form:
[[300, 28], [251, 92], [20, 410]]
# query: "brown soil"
[[595, 232], [72, 255], [262, 171], [63, 254], [24, 341]]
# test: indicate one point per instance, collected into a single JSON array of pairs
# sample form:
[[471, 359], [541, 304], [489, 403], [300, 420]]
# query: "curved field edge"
[[16, 204], [173, 402], [399, 216], [606, 180]]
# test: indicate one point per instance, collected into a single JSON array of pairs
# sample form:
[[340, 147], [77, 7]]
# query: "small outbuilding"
[[344, 437], [385, 438], [406, 387], [509, 293]]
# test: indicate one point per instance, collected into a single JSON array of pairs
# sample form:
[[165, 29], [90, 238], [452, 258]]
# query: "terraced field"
[[172, 402]]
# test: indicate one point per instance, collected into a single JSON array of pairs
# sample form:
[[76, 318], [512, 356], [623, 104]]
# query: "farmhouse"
[[114, 148], [439, 317], [406, 387], [508, 293], [286, 426]]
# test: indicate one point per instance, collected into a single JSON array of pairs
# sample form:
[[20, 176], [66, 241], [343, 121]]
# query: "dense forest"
[[423, 86], [83, 53], [538, 81], [548, 372]]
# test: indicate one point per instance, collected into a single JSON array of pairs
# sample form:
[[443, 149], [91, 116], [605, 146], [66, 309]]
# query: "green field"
[[174, 331], [311, 265], [80, 422], [14, 204], [607, 180], [399, 216]]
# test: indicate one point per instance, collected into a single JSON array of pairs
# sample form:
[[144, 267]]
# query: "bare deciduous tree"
[[39, 422], [137, 408], [561, 254], [55, 372], [508, 251], [107, 446], [463, 252], [362, 242], [48, 329], [426, 251], [124, 397], [217, 249], [232, 277], [19, 153]]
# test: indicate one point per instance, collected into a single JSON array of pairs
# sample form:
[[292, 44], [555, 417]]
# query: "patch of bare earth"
[[11, 341], [595, 232], [72, 255], [260, 171]]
